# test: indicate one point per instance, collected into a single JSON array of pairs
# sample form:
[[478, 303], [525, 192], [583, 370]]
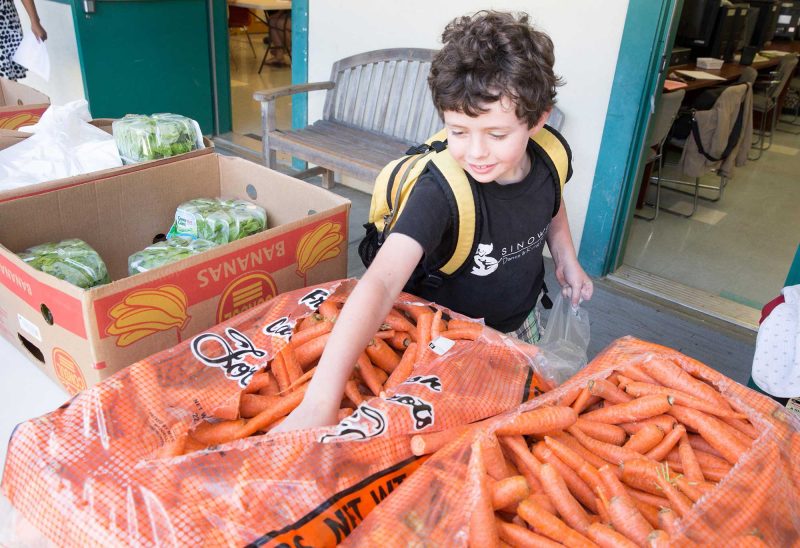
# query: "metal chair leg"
[[758, 144]]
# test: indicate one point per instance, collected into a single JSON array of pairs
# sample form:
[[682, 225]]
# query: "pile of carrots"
[[274, 391], [618, 463]]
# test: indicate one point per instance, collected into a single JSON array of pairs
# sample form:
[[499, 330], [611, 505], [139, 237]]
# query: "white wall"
[[586, 34], [66, 80]]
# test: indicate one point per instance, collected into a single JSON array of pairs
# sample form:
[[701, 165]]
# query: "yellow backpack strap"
[[465, 205], [557, 152]]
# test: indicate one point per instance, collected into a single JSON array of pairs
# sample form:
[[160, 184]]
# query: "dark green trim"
[[793, 277], [299, 68], [222, 62], [636, 80]]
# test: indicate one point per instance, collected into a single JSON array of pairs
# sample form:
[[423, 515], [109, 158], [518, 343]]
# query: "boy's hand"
[[574, 281], [304, 417]]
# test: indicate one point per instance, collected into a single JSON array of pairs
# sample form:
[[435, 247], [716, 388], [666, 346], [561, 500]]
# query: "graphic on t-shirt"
[[485, 264]]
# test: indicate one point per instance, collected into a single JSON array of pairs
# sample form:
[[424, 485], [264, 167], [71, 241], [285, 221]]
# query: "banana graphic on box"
[[149, 311], [318, 245], [18, 120]]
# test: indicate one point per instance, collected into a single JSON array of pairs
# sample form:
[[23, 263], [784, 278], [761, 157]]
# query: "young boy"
[[493, 84]]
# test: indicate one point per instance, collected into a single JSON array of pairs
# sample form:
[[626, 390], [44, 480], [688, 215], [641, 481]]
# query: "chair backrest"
[[385, 91], [785, 71], [748, 76], [664, 116]]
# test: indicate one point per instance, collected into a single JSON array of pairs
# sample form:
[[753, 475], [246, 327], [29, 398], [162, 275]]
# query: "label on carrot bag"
[[793, 405], [440, 345]]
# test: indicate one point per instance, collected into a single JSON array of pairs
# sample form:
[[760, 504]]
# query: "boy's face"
[[491, 146]]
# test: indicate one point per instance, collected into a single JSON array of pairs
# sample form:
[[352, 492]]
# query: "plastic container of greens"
[[71, 260], [166, 252], [140, 138], [218, 220]]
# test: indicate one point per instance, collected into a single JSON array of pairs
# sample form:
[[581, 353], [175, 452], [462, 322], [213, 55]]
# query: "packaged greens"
[[71, 260], [218, 220], [169, 251], [140, 138]]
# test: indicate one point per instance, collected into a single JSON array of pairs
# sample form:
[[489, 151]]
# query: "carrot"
[[293, 369], [270, 386], [367, 371], [217, 433], [384, 334], [574, 460], [678, 501], [690, 488], [741, 425], [579, 488], [671, 375], [482, 527], [282, 407], [691, 467], [606, 537], [399, 323], [639, 389], [413, 310], [344, 412], [602, 511], [352, 393], [279, 370], [509, 492], [437, 325], [608, 433], [660, 451], [550, 526], [404, 368], [309, 321], [658, 539], [309, 352], [582, 401], [711, 474], [570, 509], [424, 325], [655, 501], [612, 486], [634, 410], [608, 391], [516, 535], [328, 310], [648, 511], [635, 372], [382, 355], [463, 334], [399, 341], [538, 421], [627, 519], [527, 464], [699, 444], [607, 451], [715, 432], [542, 499], [641, 474], [310, 333], [493, 459], [576, 446], [262, 379], [668, 521], [665, 422], [425, 444], [645, 439], [299, 382], [705, 460], [251, 405]]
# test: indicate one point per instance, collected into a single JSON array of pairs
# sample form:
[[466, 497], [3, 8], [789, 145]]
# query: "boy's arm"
[[568, 270], [359, 319]]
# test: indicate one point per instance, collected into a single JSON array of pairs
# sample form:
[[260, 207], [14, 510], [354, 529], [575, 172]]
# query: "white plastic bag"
[[63, 144], [565, 340], [32, 54]]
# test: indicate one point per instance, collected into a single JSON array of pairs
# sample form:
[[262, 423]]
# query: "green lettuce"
[[140, 138], [70, 260], [218, 220], [166, 252]]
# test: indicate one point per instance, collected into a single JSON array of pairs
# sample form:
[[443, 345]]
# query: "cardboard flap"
[[14, 94]]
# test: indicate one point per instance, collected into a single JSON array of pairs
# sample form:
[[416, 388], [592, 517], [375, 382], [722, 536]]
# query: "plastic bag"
[[218, 220], [565, 339], [63, 144], [166, 252], [140, 138], [32, 54], [71, 260]]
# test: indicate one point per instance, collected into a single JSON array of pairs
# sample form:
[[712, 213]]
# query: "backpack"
[[396, 180]]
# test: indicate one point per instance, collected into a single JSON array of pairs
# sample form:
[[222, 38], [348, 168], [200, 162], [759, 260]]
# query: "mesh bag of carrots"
[[175, 450], [644, 447]]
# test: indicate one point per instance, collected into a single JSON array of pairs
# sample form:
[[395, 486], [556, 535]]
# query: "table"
[[279, 33], [729, 71]]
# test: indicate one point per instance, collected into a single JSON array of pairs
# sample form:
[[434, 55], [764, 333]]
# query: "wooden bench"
[[377, 103]]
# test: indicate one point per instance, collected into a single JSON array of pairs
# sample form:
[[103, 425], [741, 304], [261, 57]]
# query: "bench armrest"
[[273, 93]]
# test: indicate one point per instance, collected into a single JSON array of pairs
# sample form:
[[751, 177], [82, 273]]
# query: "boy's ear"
[[540, 124]]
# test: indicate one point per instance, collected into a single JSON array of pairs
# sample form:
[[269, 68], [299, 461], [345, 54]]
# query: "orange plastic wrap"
[[756, 500], [91, 473]]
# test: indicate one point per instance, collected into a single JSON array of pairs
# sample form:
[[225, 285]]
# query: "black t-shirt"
[[503, 279]]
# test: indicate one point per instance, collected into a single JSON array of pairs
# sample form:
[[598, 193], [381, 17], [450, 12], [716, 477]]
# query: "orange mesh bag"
[[748, 460], [120, 463]]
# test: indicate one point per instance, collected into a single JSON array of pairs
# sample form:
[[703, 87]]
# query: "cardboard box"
[[79, 337], [20, 105]]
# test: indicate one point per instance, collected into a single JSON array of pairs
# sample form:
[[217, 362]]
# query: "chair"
[[719, 141], [662, 122], [794, 87], [748, 76], [765, 100], [239, 18]]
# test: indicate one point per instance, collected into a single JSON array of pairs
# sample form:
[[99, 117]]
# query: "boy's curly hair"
[[490, 55]]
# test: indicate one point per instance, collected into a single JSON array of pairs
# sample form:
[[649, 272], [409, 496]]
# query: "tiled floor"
[[740, 247]]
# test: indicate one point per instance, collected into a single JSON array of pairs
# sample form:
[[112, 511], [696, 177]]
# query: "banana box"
[[79, 337], [20, 105]]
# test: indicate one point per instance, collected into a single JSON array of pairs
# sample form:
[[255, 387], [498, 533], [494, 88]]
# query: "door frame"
[[647, 36]]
